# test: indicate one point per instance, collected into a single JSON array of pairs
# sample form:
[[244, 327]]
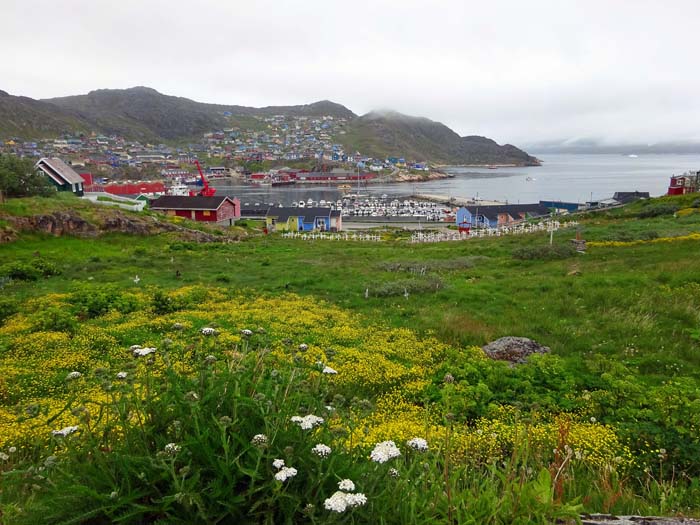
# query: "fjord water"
[[566, 177], [575, 178]]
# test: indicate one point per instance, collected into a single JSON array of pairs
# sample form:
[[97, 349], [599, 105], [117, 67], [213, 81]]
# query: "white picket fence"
[[332, 236], [518, 229]]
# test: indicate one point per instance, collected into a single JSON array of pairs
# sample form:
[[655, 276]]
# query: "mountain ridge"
[[383, 133], [144, 113]]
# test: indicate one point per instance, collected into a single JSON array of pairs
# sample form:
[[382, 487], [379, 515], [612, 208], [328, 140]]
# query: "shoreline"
[[487, 166]]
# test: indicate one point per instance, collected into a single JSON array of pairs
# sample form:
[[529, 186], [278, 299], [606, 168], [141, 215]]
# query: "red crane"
[[206, 190]]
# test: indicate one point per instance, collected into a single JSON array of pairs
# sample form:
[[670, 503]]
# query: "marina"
[[563, 177]]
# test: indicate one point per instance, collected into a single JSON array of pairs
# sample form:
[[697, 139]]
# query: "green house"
[[61, 175]]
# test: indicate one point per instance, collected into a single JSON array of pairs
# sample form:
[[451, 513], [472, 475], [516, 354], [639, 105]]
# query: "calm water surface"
[[576, 178]]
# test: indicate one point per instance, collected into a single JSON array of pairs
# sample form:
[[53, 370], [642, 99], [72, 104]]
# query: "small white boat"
[[530, 179], [632, 156]]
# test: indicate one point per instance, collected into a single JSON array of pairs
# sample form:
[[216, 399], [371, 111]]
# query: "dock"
[[455, 201]]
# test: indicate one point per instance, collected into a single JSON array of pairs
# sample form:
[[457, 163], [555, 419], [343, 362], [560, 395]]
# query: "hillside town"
[[230, 151]]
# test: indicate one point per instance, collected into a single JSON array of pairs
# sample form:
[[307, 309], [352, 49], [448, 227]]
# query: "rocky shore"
[[405, 176]]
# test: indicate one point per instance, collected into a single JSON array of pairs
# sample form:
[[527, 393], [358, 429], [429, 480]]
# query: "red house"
[[224, 210]]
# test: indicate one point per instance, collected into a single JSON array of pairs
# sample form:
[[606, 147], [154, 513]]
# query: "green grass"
[[608, 299], [622, 321]]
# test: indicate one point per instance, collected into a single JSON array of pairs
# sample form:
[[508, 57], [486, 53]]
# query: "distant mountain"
[[29, 118], [594, 147], [143, 113], [388, 133]]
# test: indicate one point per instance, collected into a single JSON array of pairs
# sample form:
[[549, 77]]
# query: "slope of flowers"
[[660, 240], [382, 377]]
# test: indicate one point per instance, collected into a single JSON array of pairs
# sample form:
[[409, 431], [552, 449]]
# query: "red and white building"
[[689, 182]]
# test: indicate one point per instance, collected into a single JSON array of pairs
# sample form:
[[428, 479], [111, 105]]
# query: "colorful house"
[[689, 182], [222, 210], [303, 219], [61, 175], [476, 216]]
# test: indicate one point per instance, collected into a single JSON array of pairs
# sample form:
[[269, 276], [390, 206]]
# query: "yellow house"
[[281, 222]]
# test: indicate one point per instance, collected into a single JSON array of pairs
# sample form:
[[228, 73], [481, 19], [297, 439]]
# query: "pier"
[[455, 201]]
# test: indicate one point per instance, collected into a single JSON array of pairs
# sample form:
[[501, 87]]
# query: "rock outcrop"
[[72, 223], [57, 223], [513, 349], [607, 519]]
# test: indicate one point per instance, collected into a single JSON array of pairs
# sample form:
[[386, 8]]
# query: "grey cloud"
[[517, 71]]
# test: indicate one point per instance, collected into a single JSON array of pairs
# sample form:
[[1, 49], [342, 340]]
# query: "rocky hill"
[[29, 118], [145, 114], [389, 133]]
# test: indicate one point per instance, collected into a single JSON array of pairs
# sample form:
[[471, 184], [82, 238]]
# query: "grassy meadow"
[[379, 340]]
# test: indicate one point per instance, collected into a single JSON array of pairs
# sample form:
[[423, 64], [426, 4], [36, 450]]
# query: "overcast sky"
[[518, 71]]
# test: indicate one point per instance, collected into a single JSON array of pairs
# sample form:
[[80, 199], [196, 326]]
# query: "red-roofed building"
[[223, 210]]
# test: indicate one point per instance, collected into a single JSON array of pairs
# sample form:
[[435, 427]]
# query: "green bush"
[[8, 307], [405, 287], [29, 271], [545, 253], [55, 319], [658, 210], [162, 303], [94, 301]]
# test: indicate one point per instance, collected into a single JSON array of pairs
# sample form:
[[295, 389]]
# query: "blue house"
[[476, 216]]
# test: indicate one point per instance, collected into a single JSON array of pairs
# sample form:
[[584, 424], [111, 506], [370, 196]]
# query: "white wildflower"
[[4, 457], [64, 431], [593, 420], [337, 502], [259, 440], [303, 346], [394, 473], [307, 422], [384, 451], [172, 449], [346, 485], [73, 375], [321, 450], [246, 332], [134, 347], [329, 370], [122, 375], [278, 463], [417, 443], [286, 473], [330, 408], [12, 450], [355, 500], [141, 352], [340, 501], [210, 359], [208, 331]]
